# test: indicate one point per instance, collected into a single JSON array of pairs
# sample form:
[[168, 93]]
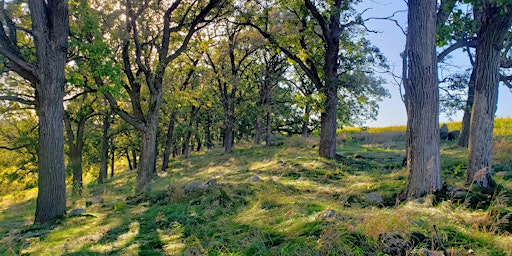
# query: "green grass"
[[283, 214]]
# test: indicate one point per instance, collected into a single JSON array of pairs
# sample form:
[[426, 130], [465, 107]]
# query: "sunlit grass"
[[282, 214]]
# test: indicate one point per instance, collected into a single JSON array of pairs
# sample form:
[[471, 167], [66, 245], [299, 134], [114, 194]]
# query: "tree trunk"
[[198, 138], [329, 115], [258, 130], [268, 135], [229, 134], [50, 31], [169, 140], [134, 158], [186, 143], [75, 144], [490, 38], [305, 122], [112, 160], [422, 99], [76, 165], [207, 132], [466, 119], [146, 165], [128, 159], [329, 120], [104, 149]]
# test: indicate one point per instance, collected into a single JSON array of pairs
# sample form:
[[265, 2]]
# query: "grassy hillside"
[[280, 200]]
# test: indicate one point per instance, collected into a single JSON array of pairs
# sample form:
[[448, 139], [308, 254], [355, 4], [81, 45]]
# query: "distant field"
[[502, 127]]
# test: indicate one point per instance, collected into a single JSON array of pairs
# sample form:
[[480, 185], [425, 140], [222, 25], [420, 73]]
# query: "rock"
[[443, 132], [329, 214], [483, 178], [194, 186], [94, 200], [211, 182], [393, 244], [76, 212], [254, 179], [428, 252], [374, 198], [453, 135]]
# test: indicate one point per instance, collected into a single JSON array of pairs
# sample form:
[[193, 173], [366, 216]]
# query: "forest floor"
[[278, 200]]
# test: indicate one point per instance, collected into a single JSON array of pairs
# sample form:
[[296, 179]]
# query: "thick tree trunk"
[[466, 119], [329, 115], [490, 38], [104, 149], [169, 140], [258, 130], [50, 31], [268, 135], [422, 99], [329, 118], [229, 134], [146, 165], [305, 122]]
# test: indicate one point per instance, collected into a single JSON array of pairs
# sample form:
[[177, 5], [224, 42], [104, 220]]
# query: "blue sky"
[[391, 42]]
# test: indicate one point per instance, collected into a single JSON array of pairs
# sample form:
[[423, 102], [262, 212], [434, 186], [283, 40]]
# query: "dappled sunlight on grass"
[[299, 204]]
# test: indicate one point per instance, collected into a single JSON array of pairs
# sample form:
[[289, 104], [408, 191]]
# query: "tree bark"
[[146, 165], [198, 138], [466, 119], [229, 139], [128, 159], [329, 118], [112, 159], [422, 99], [134, 158], [50, 30], [75, 144], [268, 135], [494, 27], [102, 176], [258, 130]]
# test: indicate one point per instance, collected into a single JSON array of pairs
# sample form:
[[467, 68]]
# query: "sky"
[[391, 42]]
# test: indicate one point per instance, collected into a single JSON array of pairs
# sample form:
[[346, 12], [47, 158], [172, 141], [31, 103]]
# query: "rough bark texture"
[[329, 115], [102, 176], [491, 35], [50, 30], [422, 99], [466, 119], [146, 165]]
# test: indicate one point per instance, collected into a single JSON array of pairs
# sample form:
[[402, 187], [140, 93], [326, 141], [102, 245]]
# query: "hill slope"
[[279, 200]]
